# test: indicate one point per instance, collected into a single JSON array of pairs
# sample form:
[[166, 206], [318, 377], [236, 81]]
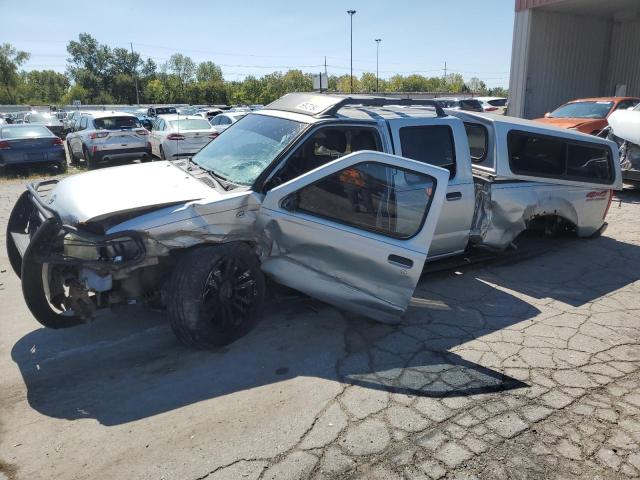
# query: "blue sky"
[[257, 37]]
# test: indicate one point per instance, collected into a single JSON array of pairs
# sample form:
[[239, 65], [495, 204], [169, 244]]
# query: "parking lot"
[[522, 366]]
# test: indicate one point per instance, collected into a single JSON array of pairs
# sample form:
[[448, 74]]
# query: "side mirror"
[[547, 115], [290, 202]]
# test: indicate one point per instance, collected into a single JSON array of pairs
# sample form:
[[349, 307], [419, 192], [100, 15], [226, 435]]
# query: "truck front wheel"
[[215, 295], [44, 286]]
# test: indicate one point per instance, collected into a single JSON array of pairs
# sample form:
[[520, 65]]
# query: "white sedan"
[[223, 121], [174, 136], [495, 105]]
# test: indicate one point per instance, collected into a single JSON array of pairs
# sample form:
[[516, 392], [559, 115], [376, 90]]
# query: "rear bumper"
[[122, 154], [171, 150], [8, 158]]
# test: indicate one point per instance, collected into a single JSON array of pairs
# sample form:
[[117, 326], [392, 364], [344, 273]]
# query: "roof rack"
[[321, 105], [380, 102]]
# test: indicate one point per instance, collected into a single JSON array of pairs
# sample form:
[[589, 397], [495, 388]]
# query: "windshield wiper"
[[222, 181]]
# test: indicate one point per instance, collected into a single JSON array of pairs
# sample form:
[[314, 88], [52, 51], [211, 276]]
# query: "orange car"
[[587, 115]]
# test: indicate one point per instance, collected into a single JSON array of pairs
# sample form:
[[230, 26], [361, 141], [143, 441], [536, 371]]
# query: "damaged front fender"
[[230, 218]]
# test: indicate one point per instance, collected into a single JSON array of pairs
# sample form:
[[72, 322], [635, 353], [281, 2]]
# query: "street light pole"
[[378, 40], [351, 14]]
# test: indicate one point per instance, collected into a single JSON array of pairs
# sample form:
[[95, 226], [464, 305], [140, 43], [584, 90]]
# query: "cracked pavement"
[[513, 368]]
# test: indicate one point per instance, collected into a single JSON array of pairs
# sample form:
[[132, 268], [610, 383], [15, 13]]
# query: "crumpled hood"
[[582, 124], [101, 193]]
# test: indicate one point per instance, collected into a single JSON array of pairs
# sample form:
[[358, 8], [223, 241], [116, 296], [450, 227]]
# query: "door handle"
[[452, 196], [400, 261]]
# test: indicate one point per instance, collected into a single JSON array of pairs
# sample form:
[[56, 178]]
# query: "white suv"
[[105, 136]]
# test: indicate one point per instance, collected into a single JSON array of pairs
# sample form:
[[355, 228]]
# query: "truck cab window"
[[432, 144], [325, 145], [478, 138]]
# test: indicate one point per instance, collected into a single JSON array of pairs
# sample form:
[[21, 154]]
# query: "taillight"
[[490, 109], [4, 145], [142, 131], [175, 136], [57, 141], [95, 135], [214, 135], [606, 210]]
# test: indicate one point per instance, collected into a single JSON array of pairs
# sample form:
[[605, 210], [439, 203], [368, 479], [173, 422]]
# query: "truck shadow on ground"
[[630, 194], [28, 171], [127, 365]]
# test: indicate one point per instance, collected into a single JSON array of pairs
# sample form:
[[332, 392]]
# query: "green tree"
[[250, 90], [343, 84], [76, 92], [183, 70], [476, 85], [91, 65], [123, 88], [154, 92], [498, 92], [296, 81], [454, 83], [10, 60], [43, 86], [368, 83], [209, 72]]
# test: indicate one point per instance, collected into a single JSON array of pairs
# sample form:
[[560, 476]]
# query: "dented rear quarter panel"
[[504, 209]]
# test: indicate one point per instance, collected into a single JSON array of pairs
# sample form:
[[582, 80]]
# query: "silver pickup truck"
[[342, 198]]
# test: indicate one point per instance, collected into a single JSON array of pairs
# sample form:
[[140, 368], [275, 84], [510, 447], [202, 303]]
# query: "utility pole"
[[445, 70], [135, 76], [351, 14], [325, 71], [378, 40]]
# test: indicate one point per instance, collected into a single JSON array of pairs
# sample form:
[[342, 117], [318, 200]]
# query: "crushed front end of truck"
[[68, 272]]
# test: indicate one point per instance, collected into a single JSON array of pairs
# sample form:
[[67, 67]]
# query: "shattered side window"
[[372, 196]]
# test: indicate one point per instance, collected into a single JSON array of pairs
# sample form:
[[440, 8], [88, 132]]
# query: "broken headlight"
[[113, 250]]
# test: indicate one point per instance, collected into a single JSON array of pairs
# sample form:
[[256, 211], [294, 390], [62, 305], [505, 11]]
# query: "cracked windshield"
[[247, 147]]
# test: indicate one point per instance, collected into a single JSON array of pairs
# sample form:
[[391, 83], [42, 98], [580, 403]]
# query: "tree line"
[[99, 74]]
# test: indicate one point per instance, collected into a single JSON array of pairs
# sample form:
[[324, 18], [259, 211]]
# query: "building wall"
[[519, 63], [624, 60], [567, 55]]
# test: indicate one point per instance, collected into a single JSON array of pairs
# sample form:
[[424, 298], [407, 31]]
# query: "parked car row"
[[495, 105], [52, 120]]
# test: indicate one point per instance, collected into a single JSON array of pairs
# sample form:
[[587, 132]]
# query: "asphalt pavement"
[[525, 368]]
